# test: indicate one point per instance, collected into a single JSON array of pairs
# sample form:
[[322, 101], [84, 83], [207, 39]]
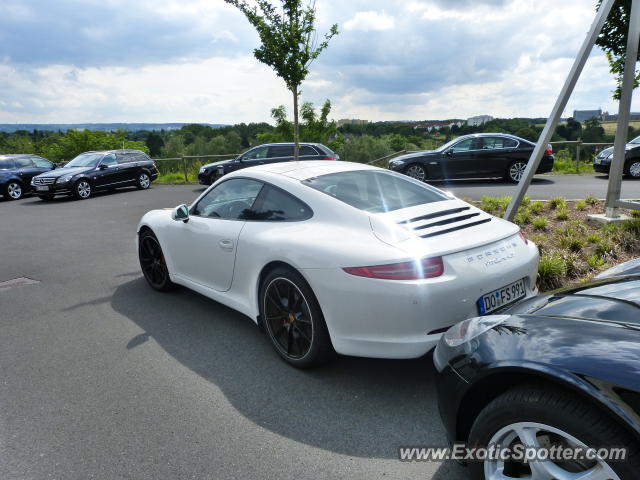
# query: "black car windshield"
[[375, 191], [635, 140], [85, 160], [6, 164], [449, 144]]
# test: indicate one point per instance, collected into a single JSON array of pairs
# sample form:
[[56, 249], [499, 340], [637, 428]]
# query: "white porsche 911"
[[339, 257]]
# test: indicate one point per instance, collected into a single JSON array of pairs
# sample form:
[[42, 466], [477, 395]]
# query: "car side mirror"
[[54, 166], [449, 152], [180, 214], [103, 166]]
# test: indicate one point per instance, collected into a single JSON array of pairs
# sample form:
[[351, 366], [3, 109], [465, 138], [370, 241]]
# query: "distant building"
[[351, 121], [584, 115], [435, 126], [479, 120], [614, 118]]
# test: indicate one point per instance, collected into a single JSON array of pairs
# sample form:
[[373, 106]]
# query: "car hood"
[[59, 172], [411, 155], [608, 151], [218, 164]]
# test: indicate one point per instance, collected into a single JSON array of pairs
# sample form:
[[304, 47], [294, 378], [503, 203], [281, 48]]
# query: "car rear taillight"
[[419, 269], [524, 239], [549, 150], [328, 157]]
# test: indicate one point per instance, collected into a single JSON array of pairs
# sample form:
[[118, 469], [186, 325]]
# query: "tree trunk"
[[296, 126]]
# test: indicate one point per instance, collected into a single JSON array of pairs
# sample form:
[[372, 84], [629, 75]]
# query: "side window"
[[278, 206], [306, 150], [256, 153], [465, 145], [125, 158], [281, 151], [231, 200], [509, 143], [109, 159], [24, 162], [498, 142], [41, 162]]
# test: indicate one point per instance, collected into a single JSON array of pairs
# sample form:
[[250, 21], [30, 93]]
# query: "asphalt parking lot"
[[103, 378]]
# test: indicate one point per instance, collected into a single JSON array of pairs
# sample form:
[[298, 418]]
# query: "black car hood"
[[220, 163], [607, 151], [59, 172], [423, 153]]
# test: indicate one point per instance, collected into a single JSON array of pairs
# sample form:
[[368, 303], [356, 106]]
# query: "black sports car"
[[561, 369], [602, 161], [482, 155], [16, 172], [262, 154]]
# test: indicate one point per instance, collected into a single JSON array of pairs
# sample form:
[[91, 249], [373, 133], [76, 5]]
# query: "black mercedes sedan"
[[16, 172], [561, 369], [602, 161], [482, 155], [100, 170], [267, 153]]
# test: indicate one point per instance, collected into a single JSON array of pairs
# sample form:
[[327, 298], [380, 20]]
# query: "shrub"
[[594, 261], [539, 223], [591, 200], [594, 238], [523, 217], [581, 205], [488, 204], [635, 213], [172, 177], [551, 269], [632, 226], [557, 202], [605, 248], [536, 207], [562, 214], [526, 201]]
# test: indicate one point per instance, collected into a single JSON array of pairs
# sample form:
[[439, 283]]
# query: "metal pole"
[[184, 169], [558, 108], [624, 110], [578, 156]]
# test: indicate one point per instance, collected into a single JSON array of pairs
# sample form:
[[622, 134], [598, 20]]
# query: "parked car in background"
[[100, 170], [339, 256], [558, 369], [482, 155], [602, 162], [263, 154], [16, 172]]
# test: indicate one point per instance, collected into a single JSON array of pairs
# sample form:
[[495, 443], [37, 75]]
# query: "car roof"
[[16, 155], [488, 134], [120, 150], [287, 144]]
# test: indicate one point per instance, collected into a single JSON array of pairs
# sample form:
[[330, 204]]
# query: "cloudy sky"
[[191, 60]]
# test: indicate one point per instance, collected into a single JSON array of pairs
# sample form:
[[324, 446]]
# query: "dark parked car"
[[267, 153], [557, 369], [91, 171], [602, 162], [482, 155], [16, 172]]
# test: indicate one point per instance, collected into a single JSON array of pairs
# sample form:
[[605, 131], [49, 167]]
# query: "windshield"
[[449, 144], [635, 140], [85, 160], [6, 164], [375, 191]]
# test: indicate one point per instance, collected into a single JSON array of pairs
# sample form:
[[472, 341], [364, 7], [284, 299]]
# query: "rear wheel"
[[538, 416], [416, 171], [293, 320], [143, 181], [82, 189], [13, 191], [515, 172], [152, 262], [632, 169]]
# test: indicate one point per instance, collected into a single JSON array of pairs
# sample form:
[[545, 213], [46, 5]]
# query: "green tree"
[[613, 40], [288, 43]]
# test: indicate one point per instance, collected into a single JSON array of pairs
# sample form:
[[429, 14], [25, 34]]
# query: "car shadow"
[[59, 199], [352, 406], [487, 182]]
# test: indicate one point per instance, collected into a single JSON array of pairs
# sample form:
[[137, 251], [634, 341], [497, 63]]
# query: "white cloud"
[[370, 21]]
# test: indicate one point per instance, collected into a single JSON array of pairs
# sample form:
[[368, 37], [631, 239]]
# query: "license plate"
[[42, 188], [492, 301]]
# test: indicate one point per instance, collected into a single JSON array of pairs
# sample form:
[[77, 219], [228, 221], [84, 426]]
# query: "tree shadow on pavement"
[[352, 406]]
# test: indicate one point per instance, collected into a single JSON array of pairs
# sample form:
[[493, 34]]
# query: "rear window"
[[6, 164], [375, 191], [307, 150]]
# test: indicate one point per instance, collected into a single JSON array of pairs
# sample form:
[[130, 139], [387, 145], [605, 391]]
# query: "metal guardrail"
[[187, 165], [579, 143]]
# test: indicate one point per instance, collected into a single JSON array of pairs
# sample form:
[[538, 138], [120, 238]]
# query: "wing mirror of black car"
[[103, 166], [53, 166], [449, 152], [180, 214]]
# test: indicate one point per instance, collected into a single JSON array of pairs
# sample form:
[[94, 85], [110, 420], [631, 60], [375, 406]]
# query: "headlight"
[[395, 163], [610, 156], [203, 169], [64, 179], [471, 328]]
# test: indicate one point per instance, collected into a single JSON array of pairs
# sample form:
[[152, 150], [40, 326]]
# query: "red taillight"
[[425, 268], [549, 150], [524, 239], [329, 157]]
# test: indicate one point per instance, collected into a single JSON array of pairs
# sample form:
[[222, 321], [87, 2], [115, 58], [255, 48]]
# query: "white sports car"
[[339, 257]]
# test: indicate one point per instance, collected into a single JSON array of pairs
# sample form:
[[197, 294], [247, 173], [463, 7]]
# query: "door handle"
[[226, 244]]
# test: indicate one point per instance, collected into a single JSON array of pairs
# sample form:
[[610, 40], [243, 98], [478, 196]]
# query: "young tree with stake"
[[289, 43]]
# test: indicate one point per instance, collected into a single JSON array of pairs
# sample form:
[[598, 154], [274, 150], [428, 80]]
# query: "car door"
[[459, 159], [203, 250], [280, 153], [255, 156], [127, 168], [106, 173], [495, 155]]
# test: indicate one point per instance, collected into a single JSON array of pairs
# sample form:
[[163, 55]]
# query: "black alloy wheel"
[[143, 181], [416, 171], [152, 262], [515, 172], [632, 169], [293, 320], [82, 189]]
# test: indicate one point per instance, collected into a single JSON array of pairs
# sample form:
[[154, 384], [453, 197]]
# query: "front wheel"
[[152, 262], [632, 169], [539, 416], [416, 171], [82, 189], [293, 320], [515, 172], [143, 181], [13, 191]]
